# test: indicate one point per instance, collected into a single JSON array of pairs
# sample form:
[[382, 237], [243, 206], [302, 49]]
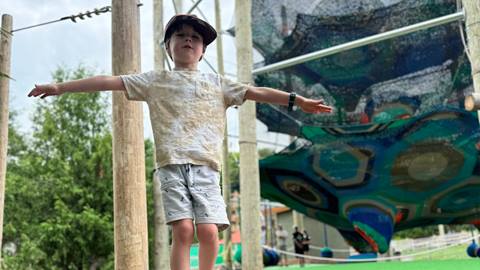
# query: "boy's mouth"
[[188, 47]]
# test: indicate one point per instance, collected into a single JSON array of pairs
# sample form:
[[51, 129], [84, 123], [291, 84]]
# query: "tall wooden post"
[[159, 56], [5, 54], [249, 172], [161, 253], [472, 23], [130, 208], [227, 234], [178, 5]]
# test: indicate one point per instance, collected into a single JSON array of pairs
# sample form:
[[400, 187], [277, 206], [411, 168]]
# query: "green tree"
[[234, 166], [417, 232], [58, 204], [149, 170], [234, 170]]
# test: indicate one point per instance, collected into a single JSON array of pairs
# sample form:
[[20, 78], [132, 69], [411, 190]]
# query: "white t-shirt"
[[187, 112], [281, 237]]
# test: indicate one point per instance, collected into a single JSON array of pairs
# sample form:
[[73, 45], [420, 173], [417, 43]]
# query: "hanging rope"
[[5, 32], [200, 11], [460, 25], [194, 6], [73, 18]]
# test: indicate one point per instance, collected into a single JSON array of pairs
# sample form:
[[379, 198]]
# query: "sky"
[[37, 52]]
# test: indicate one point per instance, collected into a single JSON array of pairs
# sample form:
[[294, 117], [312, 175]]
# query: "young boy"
[[187, 111]]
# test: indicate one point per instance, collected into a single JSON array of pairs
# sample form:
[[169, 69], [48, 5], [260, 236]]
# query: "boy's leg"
[[207, 235], [182, 238], [209, 211]]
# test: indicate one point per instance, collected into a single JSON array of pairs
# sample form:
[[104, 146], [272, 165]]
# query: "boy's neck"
[[186, 67]]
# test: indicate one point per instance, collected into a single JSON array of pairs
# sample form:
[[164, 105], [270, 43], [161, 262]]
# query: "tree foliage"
[[58, 199]]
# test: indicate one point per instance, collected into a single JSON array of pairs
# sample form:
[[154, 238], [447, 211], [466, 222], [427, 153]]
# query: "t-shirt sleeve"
[[138, 85], [233, 92]]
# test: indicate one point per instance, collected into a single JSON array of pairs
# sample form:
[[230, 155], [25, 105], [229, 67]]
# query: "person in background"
[[306, 242], [282, 235], [263, 235], [298, 239]]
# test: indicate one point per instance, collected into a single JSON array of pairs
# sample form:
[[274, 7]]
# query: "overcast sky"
[[37, 52]]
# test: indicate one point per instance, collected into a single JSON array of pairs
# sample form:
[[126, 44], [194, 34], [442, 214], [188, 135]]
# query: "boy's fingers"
[[36, 93], [325, 107], [33, 93]]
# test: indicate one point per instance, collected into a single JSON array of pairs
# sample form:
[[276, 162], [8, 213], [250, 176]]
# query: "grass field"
[[451, 253], [451, 258], [467, 264]]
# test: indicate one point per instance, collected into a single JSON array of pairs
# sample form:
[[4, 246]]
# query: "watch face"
[[291, 101]]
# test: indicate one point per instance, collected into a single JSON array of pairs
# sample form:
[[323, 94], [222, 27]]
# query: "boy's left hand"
[[313, 105]]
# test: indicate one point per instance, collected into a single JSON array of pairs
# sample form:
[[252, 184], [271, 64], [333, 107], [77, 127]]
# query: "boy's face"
[[186, 46]]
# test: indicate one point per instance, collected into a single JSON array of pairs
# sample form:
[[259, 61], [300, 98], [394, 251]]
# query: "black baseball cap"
[[206, 30]]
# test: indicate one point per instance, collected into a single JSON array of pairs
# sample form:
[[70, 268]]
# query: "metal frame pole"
[[361, 42]]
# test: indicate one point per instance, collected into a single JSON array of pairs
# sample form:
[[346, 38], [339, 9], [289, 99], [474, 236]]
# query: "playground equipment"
[[400, 151], [473, 250], [326, 252], [270, 256]]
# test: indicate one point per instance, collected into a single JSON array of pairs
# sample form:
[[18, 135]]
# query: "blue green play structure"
[[400, 150]]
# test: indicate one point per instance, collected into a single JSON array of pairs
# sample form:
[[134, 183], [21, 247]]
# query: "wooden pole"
[[249, 172], [472, 27], [130, 208], [227, 234], [159, 55], [5, 55], [178, 5], [161, 253]]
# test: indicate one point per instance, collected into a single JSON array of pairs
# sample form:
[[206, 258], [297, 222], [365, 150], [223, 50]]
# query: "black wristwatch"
[[291, 101]]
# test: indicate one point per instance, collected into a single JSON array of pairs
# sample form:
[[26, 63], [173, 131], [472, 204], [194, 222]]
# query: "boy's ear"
[[204, 49], [167, 48]]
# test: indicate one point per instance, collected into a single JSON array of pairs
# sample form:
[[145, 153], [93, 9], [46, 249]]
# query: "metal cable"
[[73, 18]]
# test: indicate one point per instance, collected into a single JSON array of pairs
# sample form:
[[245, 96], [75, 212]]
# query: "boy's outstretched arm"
[[92, 84], [270, 95]]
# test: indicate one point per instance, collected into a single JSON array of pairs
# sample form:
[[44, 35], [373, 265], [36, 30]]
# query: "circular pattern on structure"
[[426, 165]]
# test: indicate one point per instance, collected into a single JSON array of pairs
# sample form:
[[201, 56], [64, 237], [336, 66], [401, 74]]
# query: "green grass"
[[450, 253], [451, 258], [467, 264]]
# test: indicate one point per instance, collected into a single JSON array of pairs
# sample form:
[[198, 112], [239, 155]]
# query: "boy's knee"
[[207, 233], [183, 231]]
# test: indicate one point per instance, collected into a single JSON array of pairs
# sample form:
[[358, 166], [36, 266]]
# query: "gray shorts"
[[192, 192]]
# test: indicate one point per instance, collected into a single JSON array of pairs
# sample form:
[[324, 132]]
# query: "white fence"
[[429, 242]]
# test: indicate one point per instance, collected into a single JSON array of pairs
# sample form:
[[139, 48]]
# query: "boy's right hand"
[[45, 90]]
